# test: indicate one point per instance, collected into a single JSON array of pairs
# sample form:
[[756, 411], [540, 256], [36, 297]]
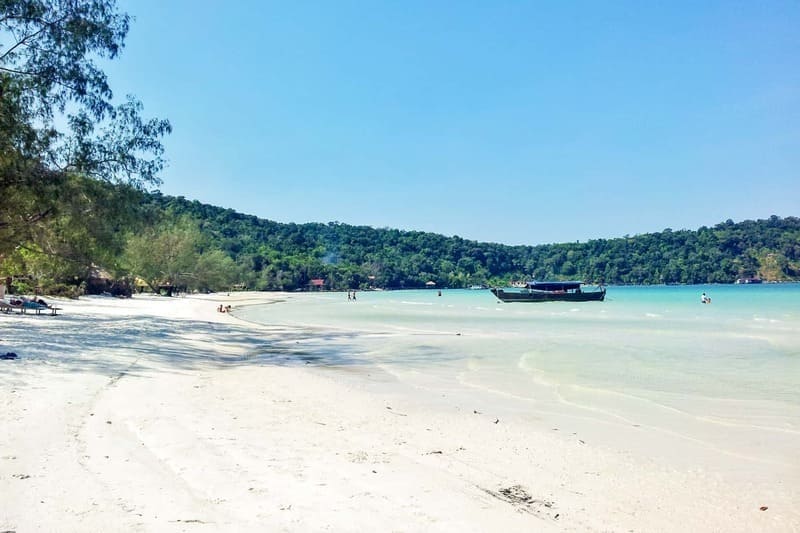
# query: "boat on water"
[[550, 291]]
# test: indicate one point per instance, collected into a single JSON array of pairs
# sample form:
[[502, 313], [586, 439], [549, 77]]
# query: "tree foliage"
[[58, 121], [173, 242], [279, 256], [171, 255]]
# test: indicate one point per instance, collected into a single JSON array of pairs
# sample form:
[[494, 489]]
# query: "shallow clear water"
[[652, 355], [746, 343]]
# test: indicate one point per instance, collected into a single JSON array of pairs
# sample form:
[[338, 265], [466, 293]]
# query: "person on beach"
[[705, 299]]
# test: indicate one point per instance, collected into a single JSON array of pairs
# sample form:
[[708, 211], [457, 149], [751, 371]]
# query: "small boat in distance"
[[550, 291]]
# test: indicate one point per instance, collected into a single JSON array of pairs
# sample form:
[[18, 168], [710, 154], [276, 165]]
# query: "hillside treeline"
[[140, 241], [274, 255]]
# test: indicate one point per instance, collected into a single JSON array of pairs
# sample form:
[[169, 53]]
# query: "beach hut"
[[430, 284], [317, 284], [98, 280]]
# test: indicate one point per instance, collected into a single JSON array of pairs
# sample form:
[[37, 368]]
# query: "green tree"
[[213, 271], [166, 255], [58, 115]]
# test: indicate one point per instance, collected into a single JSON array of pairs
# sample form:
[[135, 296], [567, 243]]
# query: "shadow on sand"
[[113, 345]]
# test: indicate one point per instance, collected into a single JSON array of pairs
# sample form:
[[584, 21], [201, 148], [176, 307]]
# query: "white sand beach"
[[153, 414]]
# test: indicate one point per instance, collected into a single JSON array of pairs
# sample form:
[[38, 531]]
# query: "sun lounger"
[[32, 306], [38, 308], [26, 306]]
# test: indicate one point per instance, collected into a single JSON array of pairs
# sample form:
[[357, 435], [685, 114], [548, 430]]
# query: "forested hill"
[[274, 255]]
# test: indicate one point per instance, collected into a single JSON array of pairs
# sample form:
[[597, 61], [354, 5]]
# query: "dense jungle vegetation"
[[272, 255], [173, 242]]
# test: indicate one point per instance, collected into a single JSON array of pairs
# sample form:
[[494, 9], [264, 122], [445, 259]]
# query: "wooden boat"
[[550, 291]]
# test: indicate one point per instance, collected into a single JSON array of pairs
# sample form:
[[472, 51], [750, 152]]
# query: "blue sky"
[[514, 122]]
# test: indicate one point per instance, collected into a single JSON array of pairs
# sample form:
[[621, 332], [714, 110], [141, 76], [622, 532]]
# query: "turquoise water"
[[725, 374], [746, 343]]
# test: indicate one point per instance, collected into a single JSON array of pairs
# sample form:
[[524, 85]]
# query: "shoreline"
[[158, 414]]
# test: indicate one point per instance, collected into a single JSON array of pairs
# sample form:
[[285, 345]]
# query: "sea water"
[[710, 380]]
